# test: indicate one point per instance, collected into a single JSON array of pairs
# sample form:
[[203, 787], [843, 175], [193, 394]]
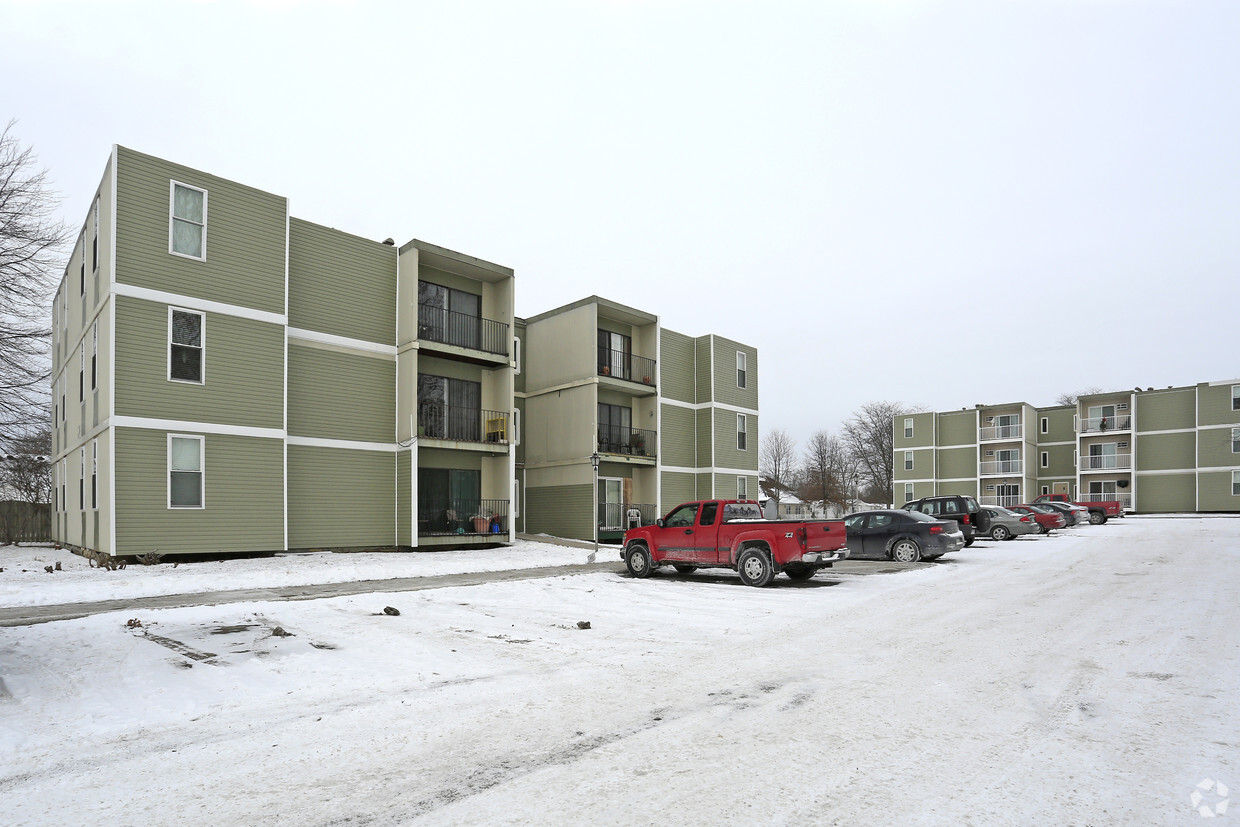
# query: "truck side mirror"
[[659, 522]]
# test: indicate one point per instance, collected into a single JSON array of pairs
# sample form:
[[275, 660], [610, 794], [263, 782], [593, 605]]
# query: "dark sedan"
[[903, 536], [1071, 515]]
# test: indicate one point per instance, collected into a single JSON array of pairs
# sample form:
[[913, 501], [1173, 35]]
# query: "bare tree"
[[30, 246], [1070, 398], [828, 473], [870, 437], [777, 463], [26, 486]]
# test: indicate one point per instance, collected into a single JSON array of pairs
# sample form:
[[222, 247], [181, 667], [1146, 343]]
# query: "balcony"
[[620, 365], [616, 517], [993, 432], [468, 518], [1106, 462], [1124, 499], [1003, 500], [448, 327], [1102, 424], [1001, 467], [462, 424], [635, 442]]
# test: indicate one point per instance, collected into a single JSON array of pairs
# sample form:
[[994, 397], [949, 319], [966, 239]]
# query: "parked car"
[[1074, 514], [1008, 525], [903, 536], [959, 507], [1099, 511], [1048, 519]]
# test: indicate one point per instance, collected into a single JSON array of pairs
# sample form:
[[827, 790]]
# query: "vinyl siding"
[[1061, 464], [957, 463], [245, 236], [703, 368], [677, 438], [1214, 490], [968, 488], [341, 284], [1166, 492], [404, 498], [676, 366], [334, 395], [1059, 425], [923, 431], [726, 453], [677, 488], [726, 391], [1214, 405], [560, 510], [705, 454], [958, 428], [243, 365], [1166, 410], [339, 498], [1160, 452], [242, 490], [1214, 448]]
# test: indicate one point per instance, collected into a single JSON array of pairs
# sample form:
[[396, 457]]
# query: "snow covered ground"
[[1090, 678]]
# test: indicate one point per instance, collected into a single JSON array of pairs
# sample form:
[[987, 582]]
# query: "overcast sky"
[[938, 203]]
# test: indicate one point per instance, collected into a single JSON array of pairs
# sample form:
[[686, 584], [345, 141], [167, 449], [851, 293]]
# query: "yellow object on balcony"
[[497, 429]]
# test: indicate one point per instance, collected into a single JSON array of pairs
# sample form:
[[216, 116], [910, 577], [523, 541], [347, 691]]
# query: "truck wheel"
[[684, 568], [1097, 518], [755, 568], [799, 571], [905, 551], [638, 561], [999, 533]]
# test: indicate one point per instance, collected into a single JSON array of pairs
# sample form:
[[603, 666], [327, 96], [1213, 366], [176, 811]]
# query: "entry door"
[[610, 502], [1106, 487], [1008, 461], [1008, 494], [1006, 425], [1102, 456], [1064, 488]]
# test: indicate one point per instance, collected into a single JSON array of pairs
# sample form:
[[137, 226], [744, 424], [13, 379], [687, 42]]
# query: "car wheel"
[[1097, 518], [999, 533], [684, 568], [755, 568], [905, 551], [799, 571], [638, 561], [1043, 529]]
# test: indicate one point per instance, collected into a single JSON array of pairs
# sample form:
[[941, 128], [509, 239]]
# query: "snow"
[[1088, 678]]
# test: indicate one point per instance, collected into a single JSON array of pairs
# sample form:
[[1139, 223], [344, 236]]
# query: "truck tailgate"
[[825, 536]]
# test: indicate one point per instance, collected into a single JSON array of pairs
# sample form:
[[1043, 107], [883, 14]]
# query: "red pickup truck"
[[732, 534], [1098, 511]]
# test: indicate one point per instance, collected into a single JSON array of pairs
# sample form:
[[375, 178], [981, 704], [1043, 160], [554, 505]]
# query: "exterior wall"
[[1214, 405], [923, 431], [1160, 452], [1166, 410], [341, 284], [677, 488], [1166, 492], [703, 368], [323, 385], [320, 517], [1058, 423], [958, 429], [727, 455], [957, 463], [1215, 448], [725, 374], [243, 495], [559, 510], [677, 378], [1214, 491]]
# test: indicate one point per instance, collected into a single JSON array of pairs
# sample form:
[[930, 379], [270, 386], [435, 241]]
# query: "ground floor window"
[[185, 484], [1235, 483], [742, 488], [908, 492], [449, 499]]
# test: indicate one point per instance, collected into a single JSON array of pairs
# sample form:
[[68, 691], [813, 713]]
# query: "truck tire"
[[905, 550], [755, 567], [637, 561], [799, 571], [684, 568], [1097, 517]]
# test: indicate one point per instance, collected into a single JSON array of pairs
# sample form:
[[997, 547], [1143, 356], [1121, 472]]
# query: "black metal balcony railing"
[[439, 421], [623, 515], [621, 365], [462, 516], [462, 330], [613, 439]]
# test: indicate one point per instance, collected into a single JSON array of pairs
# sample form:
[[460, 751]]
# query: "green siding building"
[[1167, 450]]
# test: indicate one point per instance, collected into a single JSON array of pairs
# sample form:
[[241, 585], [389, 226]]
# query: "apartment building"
[[1168, 450], [227, 378], [667, 417]]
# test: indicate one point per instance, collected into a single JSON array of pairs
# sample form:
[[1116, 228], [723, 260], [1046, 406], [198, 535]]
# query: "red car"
[[1048, 518]]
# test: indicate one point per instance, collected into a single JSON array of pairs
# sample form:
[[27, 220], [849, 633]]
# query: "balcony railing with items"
[[623, 516], [993, 432], [465, 516], [614, 439], [463, 424], [1106, 462], [1101, 424], [620, 365], [449, 327], [1003, 466]]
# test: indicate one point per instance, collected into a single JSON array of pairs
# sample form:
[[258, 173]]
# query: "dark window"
[[682, 516], [709, 510], [615, 351], [185, 359], [450, 316], [448, 499], [615, 428], [741, 365], [449, 408]]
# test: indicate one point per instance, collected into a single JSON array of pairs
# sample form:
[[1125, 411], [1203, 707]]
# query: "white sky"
[[873, 193]]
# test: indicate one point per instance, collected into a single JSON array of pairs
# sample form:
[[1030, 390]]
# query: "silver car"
[[1008, 525]]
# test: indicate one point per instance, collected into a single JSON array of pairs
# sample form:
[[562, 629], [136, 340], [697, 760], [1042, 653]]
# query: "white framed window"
[[64, 476], [742, 488], [94, 474], [82, 479], [185, 471], [1045, 425], [94, 249], [1235, 440], [82, 372], [94, 356], [741, 426], [908, 460], [1235, 483], [516, 426], [1235, 397], [908, 492], [742, 365], [186, 340], [187, 222], [1046, 459], [1046, 489], [908, 428]]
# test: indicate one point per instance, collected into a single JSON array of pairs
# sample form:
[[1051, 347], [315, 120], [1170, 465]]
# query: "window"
[[742, 488], [908, 492], [1235, 483], [684, 516], [908, 460], [741, 425], [1235, 397], [185, 471], [615, 430], [82, 271], [82, 480], [449, 408], [1235, 440], [516, 345], [64, 475], [94, 474], [185, 335], [188, 233], [615, 354], [908, 428], [452, 317], [1046, 489], [709, 512], [741, 366], [82, 373], [1046, 425], [1046, 459], [94, 250], [94, 356], [448, 499]]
